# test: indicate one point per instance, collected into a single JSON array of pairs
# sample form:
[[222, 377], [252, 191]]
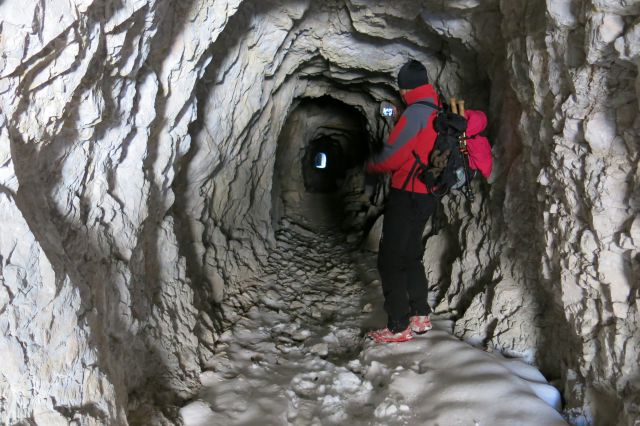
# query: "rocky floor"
[[299, 343], [299, 356]]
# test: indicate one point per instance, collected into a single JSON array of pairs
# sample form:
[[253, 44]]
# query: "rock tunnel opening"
[[319, 162], [323, 165]]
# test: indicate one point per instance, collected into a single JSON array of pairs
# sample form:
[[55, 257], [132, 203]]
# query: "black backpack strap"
[[418, 160], [467, 137], [429, 104], [410, 175]]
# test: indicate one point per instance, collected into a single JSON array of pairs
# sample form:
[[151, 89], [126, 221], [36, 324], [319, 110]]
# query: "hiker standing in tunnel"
[[408, 207]]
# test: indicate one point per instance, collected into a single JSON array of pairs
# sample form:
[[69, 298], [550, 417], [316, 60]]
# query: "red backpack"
[[477, 145]]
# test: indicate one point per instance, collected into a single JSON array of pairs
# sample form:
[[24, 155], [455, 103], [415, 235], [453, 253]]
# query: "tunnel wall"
[[95, 301], [137, 147], [564, 286]]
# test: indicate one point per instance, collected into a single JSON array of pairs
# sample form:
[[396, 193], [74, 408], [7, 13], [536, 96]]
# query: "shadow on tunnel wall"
[[191, 179], [136, 363]]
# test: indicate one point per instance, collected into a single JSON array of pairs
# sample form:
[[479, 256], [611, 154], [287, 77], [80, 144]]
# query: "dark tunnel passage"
[[323, 165], [319, 163]]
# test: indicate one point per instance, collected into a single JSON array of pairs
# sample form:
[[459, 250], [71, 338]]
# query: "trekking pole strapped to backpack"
[[463, 148]]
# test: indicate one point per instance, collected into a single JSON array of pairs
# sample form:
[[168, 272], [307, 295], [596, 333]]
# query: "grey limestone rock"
[[149, 152]]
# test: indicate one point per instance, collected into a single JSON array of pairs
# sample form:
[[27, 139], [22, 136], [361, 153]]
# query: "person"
[[408, 207]]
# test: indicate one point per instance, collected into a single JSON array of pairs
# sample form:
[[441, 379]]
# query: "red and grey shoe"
[[420, 324], [387, 336]]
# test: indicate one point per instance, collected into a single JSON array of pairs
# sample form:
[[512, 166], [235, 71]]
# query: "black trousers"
[[404, 282]]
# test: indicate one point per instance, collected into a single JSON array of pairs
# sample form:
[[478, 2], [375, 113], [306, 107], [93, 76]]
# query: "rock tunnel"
[[322, 139], [150, 152]]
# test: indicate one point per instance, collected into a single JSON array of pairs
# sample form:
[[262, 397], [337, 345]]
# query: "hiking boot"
[[387, 336], [420, 324]]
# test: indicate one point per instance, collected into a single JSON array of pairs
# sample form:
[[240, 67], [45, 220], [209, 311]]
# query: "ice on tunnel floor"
[[459, 381], [198, 413], [307, 362]]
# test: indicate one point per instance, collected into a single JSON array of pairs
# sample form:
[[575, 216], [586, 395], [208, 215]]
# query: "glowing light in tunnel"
[[321, 160]]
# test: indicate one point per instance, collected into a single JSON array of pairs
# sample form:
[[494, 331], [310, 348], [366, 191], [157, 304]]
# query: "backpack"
[[448, 167]]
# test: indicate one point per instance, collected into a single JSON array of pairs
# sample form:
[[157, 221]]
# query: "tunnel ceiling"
[[138, 145]]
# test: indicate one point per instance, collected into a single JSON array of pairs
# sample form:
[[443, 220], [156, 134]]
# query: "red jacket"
[[478, 146], [413, 132]]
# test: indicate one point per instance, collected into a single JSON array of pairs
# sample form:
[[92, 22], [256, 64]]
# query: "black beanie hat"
[[412, 74]]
